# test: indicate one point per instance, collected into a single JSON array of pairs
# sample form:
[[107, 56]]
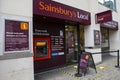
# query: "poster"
[[16, 35], [96, 37]]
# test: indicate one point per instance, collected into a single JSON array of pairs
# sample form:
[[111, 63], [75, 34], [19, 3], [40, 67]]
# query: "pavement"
[[105, 71]]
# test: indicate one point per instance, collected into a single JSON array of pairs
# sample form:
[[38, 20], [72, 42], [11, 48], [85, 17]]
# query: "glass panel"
[[109, 3], [71, 41], [82, 43], [104, 38]]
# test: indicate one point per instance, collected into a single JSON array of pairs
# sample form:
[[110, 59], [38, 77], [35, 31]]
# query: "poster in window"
[[16, 35], [96, 37]]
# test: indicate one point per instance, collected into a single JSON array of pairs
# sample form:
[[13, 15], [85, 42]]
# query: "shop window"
[[109, 3]]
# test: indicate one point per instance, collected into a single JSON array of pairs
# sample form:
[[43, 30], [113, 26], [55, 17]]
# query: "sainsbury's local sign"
[[110, 24], [104, 16], [105, 20], [57, 10]]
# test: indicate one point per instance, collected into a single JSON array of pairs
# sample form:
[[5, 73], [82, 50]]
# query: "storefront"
[[105, 33], [106, 25], [57, 31]]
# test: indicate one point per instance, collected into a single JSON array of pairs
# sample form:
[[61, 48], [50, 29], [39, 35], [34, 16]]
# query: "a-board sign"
[[53, 9], [86, 61]]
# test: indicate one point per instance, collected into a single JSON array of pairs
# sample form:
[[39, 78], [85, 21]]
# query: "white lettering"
[[110, 24], [100, 19], [82, 16]]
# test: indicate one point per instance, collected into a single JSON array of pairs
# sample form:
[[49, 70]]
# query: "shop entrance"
[[72, 43], [105, 39], [105, 45]]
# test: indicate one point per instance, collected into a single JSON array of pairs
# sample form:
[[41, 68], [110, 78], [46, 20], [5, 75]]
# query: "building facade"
[[37, 35]]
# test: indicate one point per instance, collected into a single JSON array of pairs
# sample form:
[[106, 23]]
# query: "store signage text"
[[104, 17], [57, 10], [62, 11], [110, 24]]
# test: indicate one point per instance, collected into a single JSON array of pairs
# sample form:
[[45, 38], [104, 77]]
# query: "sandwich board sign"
[[86, 61]]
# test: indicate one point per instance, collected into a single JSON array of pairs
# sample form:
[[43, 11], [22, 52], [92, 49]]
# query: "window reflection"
[[109, 3]]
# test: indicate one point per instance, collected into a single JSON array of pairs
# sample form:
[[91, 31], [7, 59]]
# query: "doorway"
[[105, 44], [72, 43], [105, 39]]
